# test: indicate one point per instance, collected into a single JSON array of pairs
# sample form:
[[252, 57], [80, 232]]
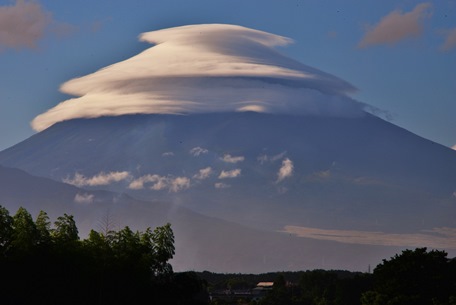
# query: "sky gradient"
[[400, 55]]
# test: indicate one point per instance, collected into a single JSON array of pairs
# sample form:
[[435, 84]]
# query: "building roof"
[[265, 284]]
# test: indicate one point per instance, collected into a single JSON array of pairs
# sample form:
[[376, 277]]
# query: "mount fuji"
[[261, 163]]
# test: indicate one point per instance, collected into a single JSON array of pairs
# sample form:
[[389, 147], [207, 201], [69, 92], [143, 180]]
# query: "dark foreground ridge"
[[48, 265]]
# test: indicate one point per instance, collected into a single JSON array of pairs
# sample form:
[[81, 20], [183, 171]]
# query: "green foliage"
[[43, 226], [6, 229], [65, 229], [318, 287], [25, 234], [162, 241], [279, 294], [40, 264], [414, 277]]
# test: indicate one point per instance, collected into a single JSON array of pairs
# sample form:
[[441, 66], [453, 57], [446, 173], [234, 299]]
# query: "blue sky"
[[401, 55]]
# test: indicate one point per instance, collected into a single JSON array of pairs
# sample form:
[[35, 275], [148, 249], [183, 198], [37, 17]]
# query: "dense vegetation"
[[414, 277], [47, 264], [301, 287], [41, 264]]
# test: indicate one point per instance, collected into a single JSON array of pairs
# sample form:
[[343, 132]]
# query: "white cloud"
[[196, 151], [84, 198], [265, 158], [221, 185], [286, 170], [99, 179], [453, 147], [397, 26], [178, 184], [230, 159], [168, 154], [450, 40], [25, 23], [157, 180], [172, 184], [203, 173], [205, 68], [436, 238], [160, 184], [230, 174]]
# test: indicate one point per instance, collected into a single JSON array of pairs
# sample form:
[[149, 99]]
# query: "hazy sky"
[[400, 55]]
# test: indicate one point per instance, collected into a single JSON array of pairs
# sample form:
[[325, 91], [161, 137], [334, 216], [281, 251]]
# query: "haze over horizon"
[[398, 55]]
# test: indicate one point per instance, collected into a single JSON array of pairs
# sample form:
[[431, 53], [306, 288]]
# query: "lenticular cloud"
[[205, 68]]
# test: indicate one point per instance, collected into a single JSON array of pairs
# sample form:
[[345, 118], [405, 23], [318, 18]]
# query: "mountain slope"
[[345, 170], [363, 145], [202, 243], [341, 184]]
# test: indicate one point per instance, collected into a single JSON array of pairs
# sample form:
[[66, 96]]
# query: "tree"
[[279, 293], [126, 243], [106, 226], [6, 229], [65, 229], [413, 277], [163, 248], [318, 287], [43, 226], [25, 234], [97, 270]]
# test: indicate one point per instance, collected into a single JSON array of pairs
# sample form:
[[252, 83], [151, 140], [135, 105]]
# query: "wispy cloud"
[[230, 174], [265, 158], [205, 68], [436, 238], [197, 151], [397, 26], [157, 180], [99, 179], [231, 159], [172, 184], [25, 23], [286, 170], [221, 185], [454, 147], [168, 154], [319, 175], [450, 40], [84, 198], [203, 173]]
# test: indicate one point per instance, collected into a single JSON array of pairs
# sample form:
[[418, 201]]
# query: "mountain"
[[202, 243], [273, 165], [351, 182]]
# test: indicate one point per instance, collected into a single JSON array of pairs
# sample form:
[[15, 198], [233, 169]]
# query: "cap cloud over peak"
[[205, 68]]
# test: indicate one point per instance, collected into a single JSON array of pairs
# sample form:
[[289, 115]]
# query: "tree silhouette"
[[6, 229], [25, 234], [414, 277], [40, 264], [43, 226], [65, 229]]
